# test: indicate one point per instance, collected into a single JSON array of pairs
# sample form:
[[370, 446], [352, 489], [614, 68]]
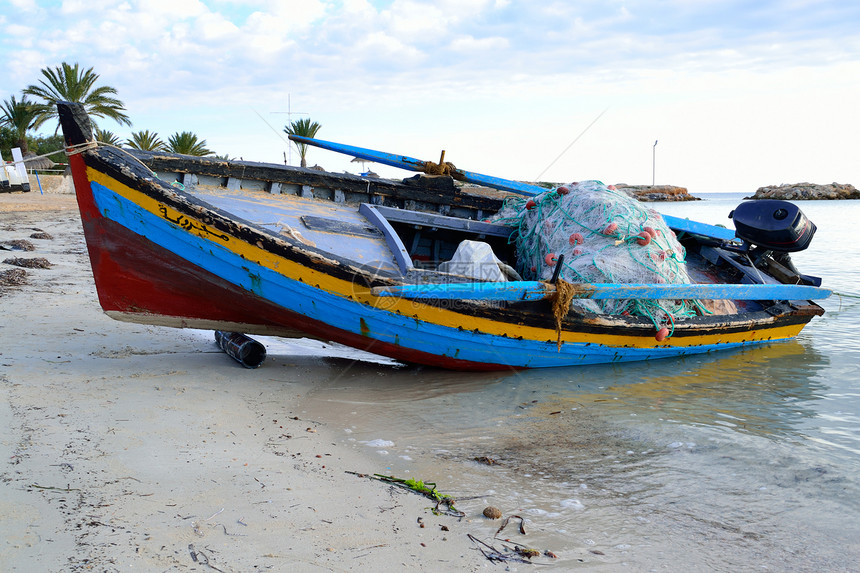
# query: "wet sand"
[[126, 446]]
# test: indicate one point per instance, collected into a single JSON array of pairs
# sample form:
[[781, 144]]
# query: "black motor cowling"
[[774, 225]]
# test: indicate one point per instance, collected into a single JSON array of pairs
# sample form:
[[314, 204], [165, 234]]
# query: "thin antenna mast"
[[290, 113]]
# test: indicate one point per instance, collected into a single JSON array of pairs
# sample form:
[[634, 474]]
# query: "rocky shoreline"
[[807, 191], [656, 192]]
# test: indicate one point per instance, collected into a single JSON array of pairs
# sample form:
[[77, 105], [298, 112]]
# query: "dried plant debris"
[[35, 263], [13, 277], [198, 556], [19, 245], [510, 550], [508, 519], [39, 234]]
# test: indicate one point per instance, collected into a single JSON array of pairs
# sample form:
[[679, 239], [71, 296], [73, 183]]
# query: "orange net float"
[[576, 239]]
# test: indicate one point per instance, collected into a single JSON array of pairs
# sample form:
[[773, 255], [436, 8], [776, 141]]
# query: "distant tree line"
[[19, 118]]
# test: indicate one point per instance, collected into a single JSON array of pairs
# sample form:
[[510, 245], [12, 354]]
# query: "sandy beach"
[[133, 447]]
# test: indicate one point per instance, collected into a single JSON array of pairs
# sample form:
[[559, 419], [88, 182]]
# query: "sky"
[[737, 94]]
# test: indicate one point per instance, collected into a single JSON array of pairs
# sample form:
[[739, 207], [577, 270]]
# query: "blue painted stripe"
[[696, 228], [346, 315]]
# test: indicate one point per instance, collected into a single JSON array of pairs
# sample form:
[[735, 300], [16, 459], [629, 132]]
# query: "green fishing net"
[[605, 237]]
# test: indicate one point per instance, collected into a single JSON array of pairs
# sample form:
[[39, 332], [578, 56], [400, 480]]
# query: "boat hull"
[[160, 256]]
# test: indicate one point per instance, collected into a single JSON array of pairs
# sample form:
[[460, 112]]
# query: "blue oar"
[[413, 164], [535, 290]]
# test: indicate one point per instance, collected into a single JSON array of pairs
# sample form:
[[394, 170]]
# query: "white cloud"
[[214, 27], [167, 10], [471, 44], [20, 32], [458, 70], [24, 5], [71, 7]]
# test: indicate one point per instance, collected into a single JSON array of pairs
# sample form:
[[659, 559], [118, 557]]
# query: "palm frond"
[[72, 83], [305, 128], [146, 141], [187, 143]]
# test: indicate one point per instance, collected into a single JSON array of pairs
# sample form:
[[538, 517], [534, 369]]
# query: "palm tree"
[[107, 137], [305, 128], [146, 141], [187, 143], [71, 83], [20, 117]]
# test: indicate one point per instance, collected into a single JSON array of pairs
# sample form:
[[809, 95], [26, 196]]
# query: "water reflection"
[[693, 463], [763, 391]]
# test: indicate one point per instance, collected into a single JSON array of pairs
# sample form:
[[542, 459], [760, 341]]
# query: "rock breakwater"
[[807, 191], [656, 192]]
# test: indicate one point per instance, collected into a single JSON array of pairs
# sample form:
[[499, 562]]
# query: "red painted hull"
[[135, 276]]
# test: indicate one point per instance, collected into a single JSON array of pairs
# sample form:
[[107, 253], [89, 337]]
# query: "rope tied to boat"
[[446, 168], [561, 305], [31, 158], [91, 145], [81, 147], [68, 150]]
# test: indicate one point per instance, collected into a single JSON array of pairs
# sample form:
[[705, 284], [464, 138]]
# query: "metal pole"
[[290, 113], [654, 164], [289, 120]]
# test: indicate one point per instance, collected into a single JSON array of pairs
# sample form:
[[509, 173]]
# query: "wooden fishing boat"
[[275, 250]]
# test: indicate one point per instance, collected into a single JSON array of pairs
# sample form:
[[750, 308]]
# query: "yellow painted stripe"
[[414, 309]]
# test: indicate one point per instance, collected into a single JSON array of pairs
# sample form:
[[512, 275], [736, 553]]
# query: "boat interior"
[[405, 230], [397, 243]]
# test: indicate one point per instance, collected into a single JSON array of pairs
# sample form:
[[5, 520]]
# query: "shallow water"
[[740, 460]]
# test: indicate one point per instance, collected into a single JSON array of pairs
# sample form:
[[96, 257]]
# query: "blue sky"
[[738, 94]]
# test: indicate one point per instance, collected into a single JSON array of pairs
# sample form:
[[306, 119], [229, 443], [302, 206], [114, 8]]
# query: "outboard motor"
[[773, 225], [770, 229]]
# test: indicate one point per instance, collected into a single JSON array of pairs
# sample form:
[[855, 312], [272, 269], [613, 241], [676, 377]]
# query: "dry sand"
[[133, 447]]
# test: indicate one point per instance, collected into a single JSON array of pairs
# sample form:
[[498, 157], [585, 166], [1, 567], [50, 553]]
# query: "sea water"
[[735, 461]]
